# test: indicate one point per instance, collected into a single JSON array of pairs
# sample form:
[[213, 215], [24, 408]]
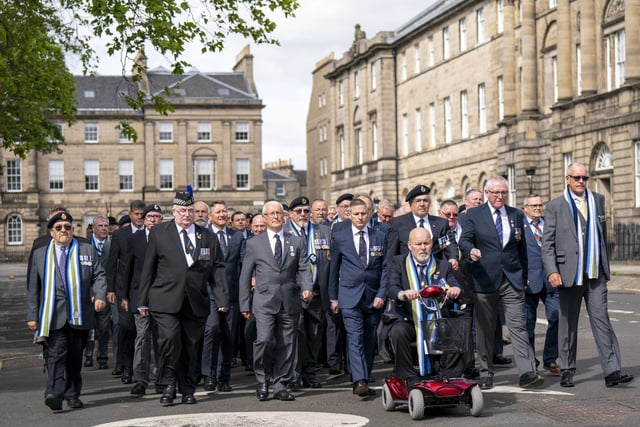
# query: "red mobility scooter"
[[441, 336]]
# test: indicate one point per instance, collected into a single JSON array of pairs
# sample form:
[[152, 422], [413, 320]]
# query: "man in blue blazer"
[[539, 288], [492, 239], [356, 288]]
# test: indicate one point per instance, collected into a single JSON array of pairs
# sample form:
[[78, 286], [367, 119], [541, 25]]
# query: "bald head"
[[420, 244]]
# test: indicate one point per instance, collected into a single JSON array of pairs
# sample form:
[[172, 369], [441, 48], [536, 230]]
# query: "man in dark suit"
[[539, 289], [124, 330], [493, 240], [357, 288], [316, 237], [407, 275], [127, 293], [278, 261], [419, 202], [576, 261], [65, 275], [182, 259]]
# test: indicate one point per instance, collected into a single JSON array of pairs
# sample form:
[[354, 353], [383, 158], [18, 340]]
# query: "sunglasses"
[[301, 211], [450, 215], [60, 227], [579, 177]]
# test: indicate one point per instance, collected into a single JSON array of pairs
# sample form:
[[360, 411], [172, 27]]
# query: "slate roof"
[[273, 176], [430, 14]]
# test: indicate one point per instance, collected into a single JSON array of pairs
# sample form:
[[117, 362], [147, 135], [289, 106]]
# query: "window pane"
[[91, 132], [242, 131], [125, 174], [14, 175], [91, 175], [242, 173], [165, 131], [166, 174], [14, 230], [56, 174], [204, 132]]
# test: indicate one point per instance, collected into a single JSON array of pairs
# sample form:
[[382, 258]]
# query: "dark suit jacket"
[[479, 231], [537, 278], [560, 241], [167, 279], [349, 281], [41, 241], [277, 286], [92, 283], [118, 256], [401, 226], [233, 265], [130, 286]]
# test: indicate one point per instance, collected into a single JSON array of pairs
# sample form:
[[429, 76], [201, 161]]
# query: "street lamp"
[[531, 171]]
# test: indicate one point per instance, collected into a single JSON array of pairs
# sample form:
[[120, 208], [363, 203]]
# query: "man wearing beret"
[[342, 205], [64, 277], [182, 259], [419, 202]]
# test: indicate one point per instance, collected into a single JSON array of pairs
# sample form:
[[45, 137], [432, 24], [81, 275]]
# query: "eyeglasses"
[[579, 177], [301, 211], [277, 213], [184, 212], [497, 193], [450, 215], [60, 227], [154, 217]]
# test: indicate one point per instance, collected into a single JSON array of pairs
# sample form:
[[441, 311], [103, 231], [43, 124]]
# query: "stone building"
[[472, 88], [212, 141], [282, 182]]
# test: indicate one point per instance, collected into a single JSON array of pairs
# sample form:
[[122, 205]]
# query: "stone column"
[[530, 49], [564, 51], [509, 62], [588, 47]]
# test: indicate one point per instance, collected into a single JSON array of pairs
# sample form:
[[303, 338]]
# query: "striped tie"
[[499, 227], [537, 232]]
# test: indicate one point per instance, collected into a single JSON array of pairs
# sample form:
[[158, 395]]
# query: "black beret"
[[342, 198], [60, 216], [299, 201], [183, 198], [124, 220], [462, 208], [113, 221], [285, 207], [418, 190], [151, 208]]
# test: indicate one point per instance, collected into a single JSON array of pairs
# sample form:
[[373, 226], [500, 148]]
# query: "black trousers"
[[178, 336], [63, 357], [310, 330]]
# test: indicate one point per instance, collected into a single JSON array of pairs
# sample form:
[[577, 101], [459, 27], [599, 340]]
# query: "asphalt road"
[[107, 400]]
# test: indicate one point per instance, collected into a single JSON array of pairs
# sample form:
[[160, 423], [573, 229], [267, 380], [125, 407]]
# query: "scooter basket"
[[447, 335]]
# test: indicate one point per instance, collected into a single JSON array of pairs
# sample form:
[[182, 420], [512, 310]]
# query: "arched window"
[[603, 160], [14, 230], [449, 190]]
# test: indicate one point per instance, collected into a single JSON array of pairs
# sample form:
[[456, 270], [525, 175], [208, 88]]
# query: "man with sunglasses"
[[576, 261], [64, 276]]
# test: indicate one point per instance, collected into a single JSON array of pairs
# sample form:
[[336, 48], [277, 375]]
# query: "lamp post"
[[531, 171]]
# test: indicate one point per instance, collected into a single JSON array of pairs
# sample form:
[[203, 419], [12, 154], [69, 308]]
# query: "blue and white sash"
[[589, 253], [417, 310], [311, 249]]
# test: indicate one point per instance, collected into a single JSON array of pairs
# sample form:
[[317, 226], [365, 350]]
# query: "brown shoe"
[[552, 368]]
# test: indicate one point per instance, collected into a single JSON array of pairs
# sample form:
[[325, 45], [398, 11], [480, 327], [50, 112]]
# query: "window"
[[122, 138], [554, 71], [92, 175], [620, 58], [432, 52], [359, 147], [280, 189], [553, 3], [89, 93], [604, 161], [579, 69], [341, 93], [166, 174], [404, 65], [165, 132], [374, 141], [242, 132], [567, 159], [462, 25], [500, 98], [90, 132], [447, 120], [405, 134], [204, 171], [482, 108], [480, 25], [374, 76], [637, 172], [242, 174], [418, 130], [341, 152], [464, 115], [446, 51], [432, 124], [356, 84], [417, 63], [319, 101], [511, 179], [500, 13], [56, 175], [204, 132], [14, 175], [14, 230], [125, 175], [321, 167]]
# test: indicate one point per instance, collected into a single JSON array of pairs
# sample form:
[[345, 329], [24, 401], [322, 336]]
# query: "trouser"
[[310, 329], [142, 352], [63, 358]]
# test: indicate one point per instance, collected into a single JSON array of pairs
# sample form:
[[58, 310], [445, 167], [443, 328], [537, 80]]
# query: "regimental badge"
[[313, 259], [444, 241], [375, 251], [292, 250]]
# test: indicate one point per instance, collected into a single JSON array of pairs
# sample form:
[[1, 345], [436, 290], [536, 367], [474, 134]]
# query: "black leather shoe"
[[88, 362], [138, 390], [159, 389], [616, 378], [471, 373], [566, 379], [210, 384], [361, 388], [262, 392], [284, 395], [531, 379], [75, 403], [189, 399], [294, 385], [336, 371], [103, 365], [168, 395], [311, 384], [116, 372], [224, 387], [53, 402], [501, 360], [486, 383], [126, 376]]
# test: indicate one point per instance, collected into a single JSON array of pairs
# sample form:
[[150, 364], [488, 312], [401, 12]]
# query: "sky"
[[283, 73]]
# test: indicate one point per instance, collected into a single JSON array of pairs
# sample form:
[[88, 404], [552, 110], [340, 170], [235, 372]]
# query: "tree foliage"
[[35, 83]]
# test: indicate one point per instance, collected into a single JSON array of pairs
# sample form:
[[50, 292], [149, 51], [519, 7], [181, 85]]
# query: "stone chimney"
[[140, 69], [244, 64]]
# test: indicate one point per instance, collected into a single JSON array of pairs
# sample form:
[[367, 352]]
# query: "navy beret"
[[124, 220], [151, 208], [60, 216], [418, 190], [299, 201], [342, 198]]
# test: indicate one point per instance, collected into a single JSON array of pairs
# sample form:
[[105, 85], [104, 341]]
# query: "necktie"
[[421, 223], [422, 275], [277, 253], [62, 264], [499, 226], [188, 246], [362, 249], [223, 242], [303, 233], [537, 232], [582, 205]]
